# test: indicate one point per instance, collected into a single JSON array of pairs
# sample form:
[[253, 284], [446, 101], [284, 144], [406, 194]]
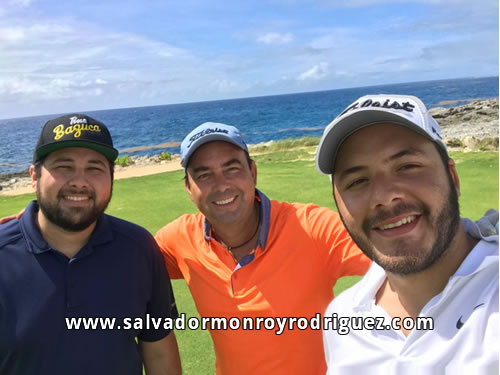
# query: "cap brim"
[[341, 128], [109, 152], [207, 139]]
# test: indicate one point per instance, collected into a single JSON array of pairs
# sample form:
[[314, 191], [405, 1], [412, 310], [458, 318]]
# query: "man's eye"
[[407, 167], [95, 169], [356, 183], [202, 177]]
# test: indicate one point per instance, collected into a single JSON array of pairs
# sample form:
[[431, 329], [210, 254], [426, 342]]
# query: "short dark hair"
[[37, 165], [443, 154]]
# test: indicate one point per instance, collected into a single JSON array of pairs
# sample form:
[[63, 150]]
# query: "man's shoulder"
[[10, 232], [361, 293], [345, 303], [184, 224], [486, 228], [127, 229], [342, 304], [302, 209]]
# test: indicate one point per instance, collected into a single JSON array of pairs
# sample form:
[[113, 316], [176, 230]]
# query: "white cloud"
[[317, 72], [275, 38], [52, 58], [11, 35], [226, 86], [44, 60], [21, 86]]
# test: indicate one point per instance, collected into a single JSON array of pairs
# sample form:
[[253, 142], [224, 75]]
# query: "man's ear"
[[253, 170], [34, 178], [187, 185], [454, 175]]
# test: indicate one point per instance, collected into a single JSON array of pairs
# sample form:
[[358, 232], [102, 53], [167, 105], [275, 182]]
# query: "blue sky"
[[63, 56]]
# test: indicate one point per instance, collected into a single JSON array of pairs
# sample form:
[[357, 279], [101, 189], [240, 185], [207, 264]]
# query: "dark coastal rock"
[[11, 178], [478, 119]]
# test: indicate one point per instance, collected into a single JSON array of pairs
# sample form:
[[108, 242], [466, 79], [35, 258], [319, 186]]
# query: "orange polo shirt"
[[302, 250]]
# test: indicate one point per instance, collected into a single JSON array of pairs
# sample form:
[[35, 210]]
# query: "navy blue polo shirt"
[[119, 274]]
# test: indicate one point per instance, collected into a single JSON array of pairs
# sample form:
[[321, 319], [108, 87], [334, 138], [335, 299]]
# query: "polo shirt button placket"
[[71, 290]]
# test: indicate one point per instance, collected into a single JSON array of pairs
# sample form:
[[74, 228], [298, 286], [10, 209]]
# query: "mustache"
[[400, 209]]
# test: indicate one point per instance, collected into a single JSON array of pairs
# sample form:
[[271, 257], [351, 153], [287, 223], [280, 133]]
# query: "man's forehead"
[[375, 137], [383, 141], [216, 152], [75, 154]]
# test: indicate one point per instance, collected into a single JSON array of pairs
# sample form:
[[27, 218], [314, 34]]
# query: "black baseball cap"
[[75, 130]]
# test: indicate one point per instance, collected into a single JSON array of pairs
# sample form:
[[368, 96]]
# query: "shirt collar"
[[36, 243], [265, 220], [34, 239], [478, 259]]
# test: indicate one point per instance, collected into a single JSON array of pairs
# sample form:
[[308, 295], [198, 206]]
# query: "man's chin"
[[75, 219], [405, 261], [72, 224], [400, 257]]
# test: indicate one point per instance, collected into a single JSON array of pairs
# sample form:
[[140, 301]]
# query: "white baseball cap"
[[408, 111]]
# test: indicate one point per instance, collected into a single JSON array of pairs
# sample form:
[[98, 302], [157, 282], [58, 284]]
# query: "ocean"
[[260, 119]]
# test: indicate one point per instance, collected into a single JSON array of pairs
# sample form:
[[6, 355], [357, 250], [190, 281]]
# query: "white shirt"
[[466, 324]]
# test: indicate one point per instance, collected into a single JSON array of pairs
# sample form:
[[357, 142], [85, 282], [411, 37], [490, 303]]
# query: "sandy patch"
[[127, 172]]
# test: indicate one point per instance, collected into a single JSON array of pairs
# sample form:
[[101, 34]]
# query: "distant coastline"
[[470, 127], [145, 131]]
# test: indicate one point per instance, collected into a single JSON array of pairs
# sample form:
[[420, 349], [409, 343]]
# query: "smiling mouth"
[[397, 224], [225, 201], [76, 198]]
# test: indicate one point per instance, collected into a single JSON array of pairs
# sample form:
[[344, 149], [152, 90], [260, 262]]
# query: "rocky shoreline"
[[470, 127]]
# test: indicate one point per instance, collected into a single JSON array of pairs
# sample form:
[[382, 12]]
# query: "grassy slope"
[[153, 201]]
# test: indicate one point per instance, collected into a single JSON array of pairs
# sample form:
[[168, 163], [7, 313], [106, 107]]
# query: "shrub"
[[165, 156], [123, 161], [455, 142]]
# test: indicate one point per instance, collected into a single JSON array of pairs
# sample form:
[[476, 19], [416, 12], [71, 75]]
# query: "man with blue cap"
[[266, 268]]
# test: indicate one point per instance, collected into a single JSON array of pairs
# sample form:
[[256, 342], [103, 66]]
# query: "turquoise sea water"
[[260, 119]]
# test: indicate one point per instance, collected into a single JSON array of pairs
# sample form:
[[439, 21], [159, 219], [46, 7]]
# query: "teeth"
[[77, 199], [405, 220], [226, 201]]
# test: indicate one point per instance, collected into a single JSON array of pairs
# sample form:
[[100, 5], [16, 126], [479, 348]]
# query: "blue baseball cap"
[[208, 132]]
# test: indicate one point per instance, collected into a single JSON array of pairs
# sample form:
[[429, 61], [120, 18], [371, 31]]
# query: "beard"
[[74, 219], [410, 258]]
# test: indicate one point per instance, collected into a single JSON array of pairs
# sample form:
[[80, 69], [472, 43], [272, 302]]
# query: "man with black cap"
[[70, 275], [263, 269], [429, 302]]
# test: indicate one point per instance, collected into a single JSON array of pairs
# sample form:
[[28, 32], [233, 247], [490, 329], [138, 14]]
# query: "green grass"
[[153, 201]]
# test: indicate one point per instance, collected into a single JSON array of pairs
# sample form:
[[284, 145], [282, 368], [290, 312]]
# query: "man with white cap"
[[429, 302], [263, 269]]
